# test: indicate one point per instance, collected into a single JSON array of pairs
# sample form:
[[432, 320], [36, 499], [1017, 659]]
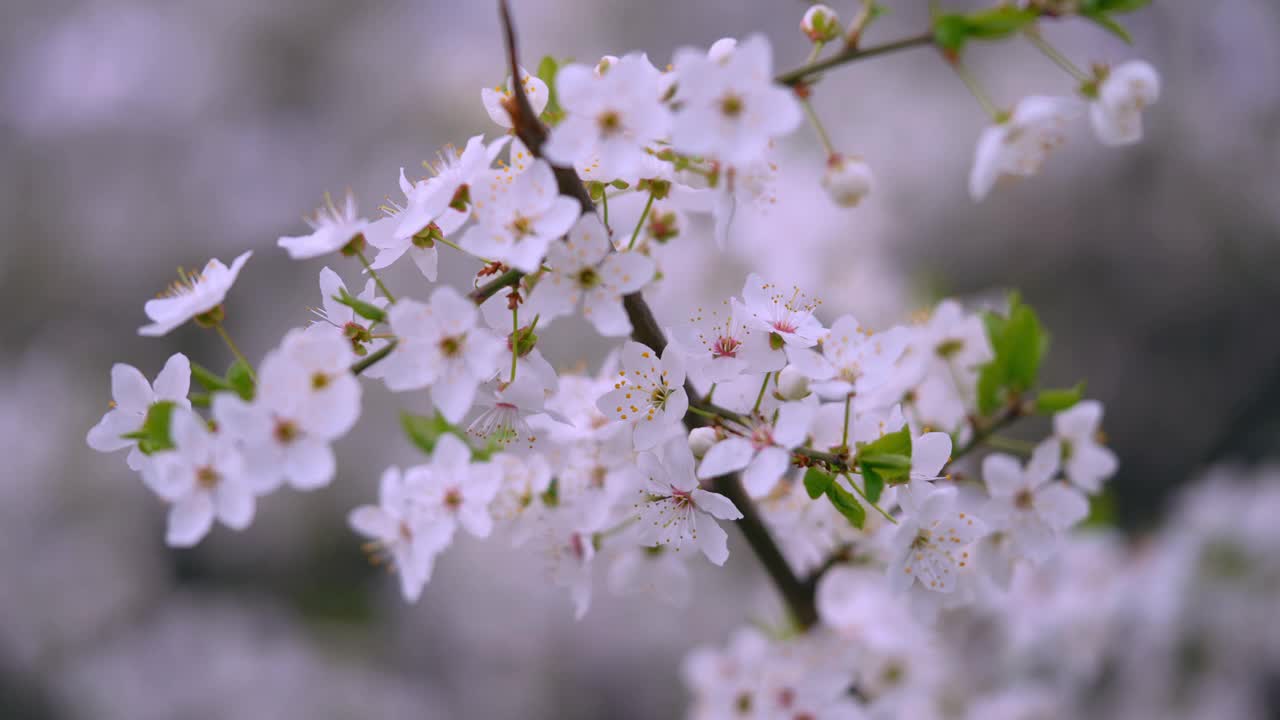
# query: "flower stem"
[[874, 506], [760, 398], [816, 122], [640, 223], [848, 55], [1053, 54], [226, 338], [604, 211], [976, 89], [844, 436], [374, 274], [373, 358], [515, 330]]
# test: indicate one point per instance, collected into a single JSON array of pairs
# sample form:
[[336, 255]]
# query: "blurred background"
[[140, 135]]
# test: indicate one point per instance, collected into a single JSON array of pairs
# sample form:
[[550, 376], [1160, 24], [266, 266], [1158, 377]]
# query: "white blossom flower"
[[454, 490], [1027, 504], [723, 343], [534, 89], [505, 421], [356, 329], [332, 229], [441, 346], [572, 553], [933, 540], [765, 452], [673, 512], [525, 480], [729, 107], [202, 478], [820, 23], [193, 295], [443, 198], [583, 270], [1019, 144], [611, 118], [132, 398], [862, 362], [790, 317], [847, 180], [306, 398], [399, 527], [1086, 462], [518, 216], [648, 394], [1125, 91], [397, 234]]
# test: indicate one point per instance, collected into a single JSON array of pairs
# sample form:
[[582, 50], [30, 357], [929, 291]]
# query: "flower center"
[[761, 437], [949, 347], [453, 499], [319, 381], [784, 325], [731, 105], [207, 477], [659, 396], [922, 540], [725, 347], [1024, 500], [522, 226], [286, 431], [588, 278], [451, 346], [610, 122]]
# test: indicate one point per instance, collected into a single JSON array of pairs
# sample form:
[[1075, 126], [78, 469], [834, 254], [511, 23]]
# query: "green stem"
[[976, 90], [1010, 444], [515, 330], [704, 413], [1052, 53], [373, 358], [816, 122], [640, 223], [710, 392], [814, 53], [866, 499], [226, 338], [374, 274], [760, 398], [844, 436], [604, 209]]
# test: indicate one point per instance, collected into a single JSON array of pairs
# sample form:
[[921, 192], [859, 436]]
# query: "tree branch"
[[798, 594], [805, 73]]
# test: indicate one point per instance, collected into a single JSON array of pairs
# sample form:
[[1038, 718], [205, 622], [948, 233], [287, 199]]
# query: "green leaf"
[[1023, 346], [990, 379], [368, 311], [816, 482], [893, 463], [548, 67], [240, 380], [998, 22], [425, 431], [208, 379], [1102, 511], [1110, 25], [200, 400], [872, 484], [950, 32], [154, 436], [894, 443], [1053, 401], [847, 504]]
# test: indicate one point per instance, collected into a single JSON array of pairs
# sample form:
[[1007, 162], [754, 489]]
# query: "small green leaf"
[[998, 22], [154, 436], [551, 497], [200, 400], [1023, 347], [893, 463], [368, 311], [425, 431], [548, 68], [1102, 511], [989, 384], [894, 443], [209, 380], [240, 380], [872, 484], [816, 482], [950, 32], [847, 504], [1053, 401]]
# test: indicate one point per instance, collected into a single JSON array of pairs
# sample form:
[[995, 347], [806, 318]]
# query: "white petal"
[[712, 539], [190, 519], [130, 389], [174, 381], [716, 505], [794, 421], [234, 504], [726, 456], [1061, 505], [309, 463], [1003, 474], [372, 522], [929, 453], [764, 471]]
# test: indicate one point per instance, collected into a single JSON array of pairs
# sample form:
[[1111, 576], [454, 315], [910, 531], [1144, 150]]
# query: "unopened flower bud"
[[792, 385], [820, 24], [847, 180], [701, 439]]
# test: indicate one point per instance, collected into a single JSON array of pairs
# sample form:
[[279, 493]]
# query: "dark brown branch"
[[804, 74]]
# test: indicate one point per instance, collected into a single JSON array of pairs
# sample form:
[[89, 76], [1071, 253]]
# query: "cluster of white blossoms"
[[851, 451], [1181, 626]]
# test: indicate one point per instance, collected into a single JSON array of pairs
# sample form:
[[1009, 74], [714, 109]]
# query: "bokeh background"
[[140, 135]]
